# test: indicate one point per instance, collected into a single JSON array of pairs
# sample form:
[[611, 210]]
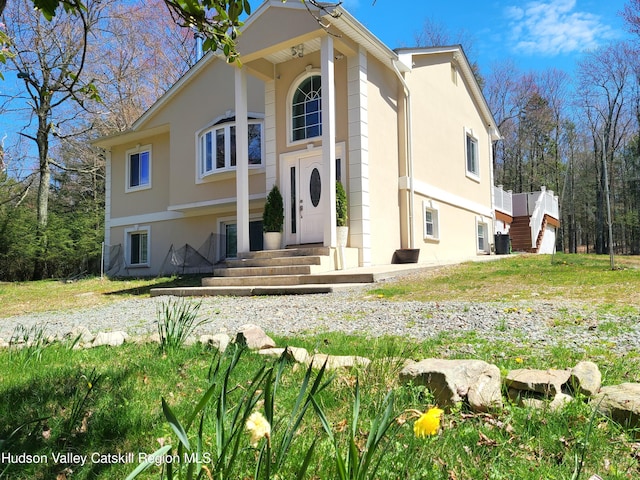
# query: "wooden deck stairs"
[[520, 234]]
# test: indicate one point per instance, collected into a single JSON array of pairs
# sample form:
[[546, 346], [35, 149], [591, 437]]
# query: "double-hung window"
[[482, 232], [471, 153], [217, 147], [138, 168], [137, 246], [431, 221]]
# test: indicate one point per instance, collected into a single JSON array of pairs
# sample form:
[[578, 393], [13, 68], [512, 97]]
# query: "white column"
[[328, 193], [107, 209], [270, 132], [242, 161], [359, 195]]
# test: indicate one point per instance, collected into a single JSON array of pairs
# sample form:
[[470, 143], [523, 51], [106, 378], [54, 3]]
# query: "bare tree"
[[140, 54], [631, 15], [436, 34], [50, 58], [605, 95]]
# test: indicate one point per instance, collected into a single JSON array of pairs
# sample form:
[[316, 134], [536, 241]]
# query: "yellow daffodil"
[[428, 423], [258, 427]]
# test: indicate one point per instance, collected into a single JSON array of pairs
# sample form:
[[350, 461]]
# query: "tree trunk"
[[42, 137]]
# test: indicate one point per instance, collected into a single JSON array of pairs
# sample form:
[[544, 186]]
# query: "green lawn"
[[29, 297], [586, 278], [108, 401]]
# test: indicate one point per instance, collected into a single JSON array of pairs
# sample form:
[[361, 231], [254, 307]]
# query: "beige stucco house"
[[407, 132]]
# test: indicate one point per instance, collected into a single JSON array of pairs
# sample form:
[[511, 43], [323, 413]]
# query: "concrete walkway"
[[326, 282]]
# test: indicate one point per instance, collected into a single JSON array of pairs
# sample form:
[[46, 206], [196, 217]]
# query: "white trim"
[[127, 252], [311, 72], [491, 179], [328, 110], [146, 218], [107, 208], [270, 109], [219, 122], [468, 134], [213, 203], [433, 207], [427, 190], [176, 212], [242, 158], [229, 173], [485, 227], [358, 128], [132, 151], [289, 159]]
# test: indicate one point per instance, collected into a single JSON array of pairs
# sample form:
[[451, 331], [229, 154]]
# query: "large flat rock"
[[547, 382], [453, 381], [621, 403]]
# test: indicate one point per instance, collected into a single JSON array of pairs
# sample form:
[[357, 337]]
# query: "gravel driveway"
[[535, 322]]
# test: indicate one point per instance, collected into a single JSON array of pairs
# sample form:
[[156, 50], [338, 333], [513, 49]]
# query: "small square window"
[[138, 169], [483, 245], [471, 151], [431, 222], [137, 245]]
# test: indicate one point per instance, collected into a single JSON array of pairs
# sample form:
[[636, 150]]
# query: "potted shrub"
[[342, 209], [272, 220]]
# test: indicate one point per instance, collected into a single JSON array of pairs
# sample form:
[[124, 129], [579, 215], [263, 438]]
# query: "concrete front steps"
[[300, 270]]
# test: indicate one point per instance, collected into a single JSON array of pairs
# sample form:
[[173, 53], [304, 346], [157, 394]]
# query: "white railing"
[[502, 200], [546, 203], [534, 205]]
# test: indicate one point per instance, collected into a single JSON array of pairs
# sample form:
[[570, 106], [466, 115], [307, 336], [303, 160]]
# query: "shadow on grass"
[[172, 282], [114, 414], [55, 435]]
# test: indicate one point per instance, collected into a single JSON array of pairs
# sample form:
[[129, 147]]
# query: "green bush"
[[273, 216], [341, 206]]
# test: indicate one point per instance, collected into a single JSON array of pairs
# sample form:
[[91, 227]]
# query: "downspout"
[[409, 141]]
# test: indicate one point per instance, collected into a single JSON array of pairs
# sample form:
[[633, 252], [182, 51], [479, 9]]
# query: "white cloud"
[[554, 27]]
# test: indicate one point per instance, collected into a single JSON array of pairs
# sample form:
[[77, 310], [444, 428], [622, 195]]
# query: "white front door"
[[310, 206], [304, 218], [301, 181]]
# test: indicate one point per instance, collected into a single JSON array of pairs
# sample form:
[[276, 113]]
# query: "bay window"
[[217, 147]]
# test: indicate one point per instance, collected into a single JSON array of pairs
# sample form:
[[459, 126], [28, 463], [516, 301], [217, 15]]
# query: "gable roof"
[[406, 55], [347, 25]]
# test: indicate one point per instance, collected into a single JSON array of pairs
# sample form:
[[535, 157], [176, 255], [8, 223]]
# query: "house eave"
[[462, 62], [215, 206], [349, 25], [344, 22], [129, 136]]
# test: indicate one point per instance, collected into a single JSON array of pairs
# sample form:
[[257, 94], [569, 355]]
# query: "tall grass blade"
[[148, 463], [340, 462], [175, 424], [177, 320], [307, 460]]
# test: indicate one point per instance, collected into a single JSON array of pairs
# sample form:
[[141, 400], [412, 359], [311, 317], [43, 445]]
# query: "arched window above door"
[[306, 108]]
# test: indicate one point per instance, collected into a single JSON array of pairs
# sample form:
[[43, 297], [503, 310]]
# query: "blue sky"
[[536, 34]]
